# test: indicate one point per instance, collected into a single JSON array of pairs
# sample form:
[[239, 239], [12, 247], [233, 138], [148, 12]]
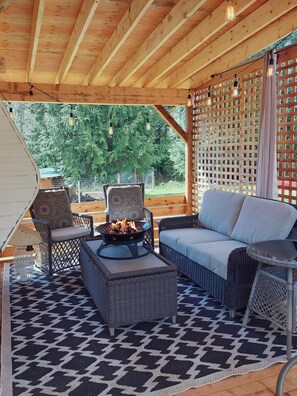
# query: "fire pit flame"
[[122, 227]]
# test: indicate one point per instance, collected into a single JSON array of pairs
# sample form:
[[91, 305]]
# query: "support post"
[[189, 161]]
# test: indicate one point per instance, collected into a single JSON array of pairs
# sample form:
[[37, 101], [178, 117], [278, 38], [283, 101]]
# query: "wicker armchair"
[[60, 229], [127, 201]]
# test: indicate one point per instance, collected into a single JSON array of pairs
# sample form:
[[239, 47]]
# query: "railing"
[[160, 206]]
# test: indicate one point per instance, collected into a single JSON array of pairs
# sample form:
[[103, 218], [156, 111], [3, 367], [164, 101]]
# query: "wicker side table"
[[273, 294], [130, 290]]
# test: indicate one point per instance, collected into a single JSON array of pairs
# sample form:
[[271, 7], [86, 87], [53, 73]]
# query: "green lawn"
[[170, 188]]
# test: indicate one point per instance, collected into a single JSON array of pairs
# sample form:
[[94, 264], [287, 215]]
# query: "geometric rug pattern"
[[55, 343]]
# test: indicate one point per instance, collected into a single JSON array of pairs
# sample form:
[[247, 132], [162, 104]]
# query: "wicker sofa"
[[210, 247]]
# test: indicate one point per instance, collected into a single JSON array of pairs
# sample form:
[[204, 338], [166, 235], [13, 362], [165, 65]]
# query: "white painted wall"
[[19, 177]]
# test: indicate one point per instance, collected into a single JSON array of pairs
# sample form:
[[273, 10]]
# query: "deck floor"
[[259, 383]]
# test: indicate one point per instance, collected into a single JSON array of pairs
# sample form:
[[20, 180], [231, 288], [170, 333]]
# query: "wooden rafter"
[[19, 92], [199, 35], [172, 123], [255, 22], [280, 28], [35, 33], [128, 23], [170, 24], [82, 23]]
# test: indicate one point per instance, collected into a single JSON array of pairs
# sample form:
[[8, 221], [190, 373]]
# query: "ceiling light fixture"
[[11, 115], [148, 125], [230, 11]]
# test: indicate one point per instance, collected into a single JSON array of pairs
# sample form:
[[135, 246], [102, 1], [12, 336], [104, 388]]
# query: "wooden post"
[[189, 161], [78, 191]]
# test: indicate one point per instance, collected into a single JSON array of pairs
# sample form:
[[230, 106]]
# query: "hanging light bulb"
[[235, 87], [270, 69], [31, 90], [11, 115], [174, 110], [189, 102], [230, 11], [209, 97], [110, 130], [148, 124], [71, 120]]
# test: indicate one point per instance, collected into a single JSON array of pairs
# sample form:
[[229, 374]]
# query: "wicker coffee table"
[[129, 290]]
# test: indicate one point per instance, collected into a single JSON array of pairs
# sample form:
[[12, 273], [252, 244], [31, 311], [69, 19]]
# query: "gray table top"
[[278, 252]]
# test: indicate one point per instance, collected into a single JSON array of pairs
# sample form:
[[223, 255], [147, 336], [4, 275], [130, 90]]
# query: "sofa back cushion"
[[263, 219], [220, 210]]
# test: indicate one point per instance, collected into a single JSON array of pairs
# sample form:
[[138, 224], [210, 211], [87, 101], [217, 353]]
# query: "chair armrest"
[[86, 221], [44, 229], [170, 223], [240, 276], [148, 216]]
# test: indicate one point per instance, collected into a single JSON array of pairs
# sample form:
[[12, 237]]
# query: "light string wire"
[[251, 62]]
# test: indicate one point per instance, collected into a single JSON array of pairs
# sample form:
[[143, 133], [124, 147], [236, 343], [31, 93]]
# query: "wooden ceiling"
[[129, 51]]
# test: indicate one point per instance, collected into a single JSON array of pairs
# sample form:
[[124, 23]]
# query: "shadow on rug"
[[58, 344]]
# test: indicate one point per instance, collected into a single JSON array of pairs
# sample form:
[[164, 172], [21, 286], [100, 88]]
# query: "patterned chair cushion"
[[54, 207], [124, 202]]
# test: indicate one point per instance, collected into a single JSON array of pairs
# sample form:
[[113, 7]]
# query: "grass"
[[166, 189]]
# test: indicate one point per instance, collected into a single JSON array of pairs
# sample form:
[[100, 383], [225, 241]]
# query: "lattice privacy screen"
[[225, 133]]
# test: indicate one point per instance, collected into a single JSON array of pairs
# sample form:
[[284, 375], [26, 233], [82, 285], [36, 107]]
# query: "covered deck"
[[162, 53]]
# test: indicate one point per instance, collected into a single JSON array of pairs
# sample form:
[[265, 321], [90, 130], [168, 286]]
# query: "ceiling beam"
[[171, 122], [199, 35], [19, 92], [280, 28], [34, 39], [127, 24], [82, 23], [253, 23], [170, 24]]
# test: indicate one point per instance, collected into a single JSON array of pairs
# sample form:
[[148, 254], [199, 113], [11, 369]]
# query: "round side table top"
[[282, 253]]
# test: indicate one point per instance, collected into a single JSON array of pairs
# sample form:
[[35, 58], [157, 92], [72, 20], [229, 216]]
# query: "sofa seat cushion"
[[263, 219], [214, 255], [181, 238], [66, 233], [220, 210]]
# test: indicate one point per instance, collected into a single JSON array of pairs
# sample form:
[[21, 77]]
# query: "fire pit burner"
[[123, 233]]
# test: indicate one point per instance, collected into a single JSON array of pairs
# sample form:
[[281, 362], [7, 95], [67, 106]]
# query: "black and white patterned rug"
[[58, 344]]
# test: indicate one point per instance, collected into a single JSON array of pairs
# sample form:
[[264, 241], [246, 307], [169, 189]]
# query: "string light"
[[71, 120], [189, 102], [230, 11], [235, 87], [110, 130], [209, 97], [11, 115], [174, 110], [148, 125], [31, 90], [270, 69]]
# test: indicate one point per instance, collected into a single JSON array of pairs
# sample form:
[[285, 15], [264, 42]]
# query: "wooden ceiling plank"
[[256, 21], [64, 93], [127, 24], [82, 23], [275, 31], [179, 14], [35, 33], [171, 122], [199, 35]]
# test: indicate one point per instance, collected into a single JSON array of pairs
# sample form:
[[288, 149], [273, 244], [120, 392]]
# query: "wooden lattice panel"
[[287, 127], [225, 137]]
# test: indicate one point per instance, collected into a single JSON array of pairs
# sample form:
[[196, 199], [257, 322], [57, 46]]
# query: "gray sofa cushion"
[[181, 238], [214, 255], [63, 234], [220, 210], [263, 220]]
